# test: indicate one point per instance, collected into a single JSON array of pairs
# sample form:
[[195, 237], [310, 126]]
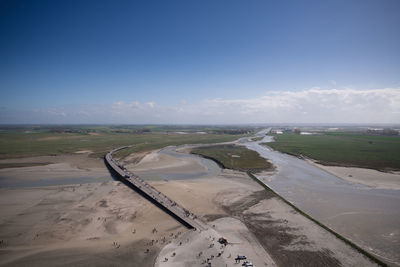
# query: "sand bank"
[[79, 160], [103, 224], [84, 152], [66, 169], [195, 249], [97, 224], [167, 164], [155, 161], [368, 177], [232, 201], [286, 237]]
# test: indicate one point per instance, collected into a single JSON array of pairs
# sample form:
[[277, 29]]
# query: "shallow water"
[[210, 168], [370, 217]]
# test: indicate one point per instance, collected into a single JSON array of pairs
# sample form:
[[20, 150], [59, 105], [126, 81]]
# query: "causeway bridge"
[[178, 212]]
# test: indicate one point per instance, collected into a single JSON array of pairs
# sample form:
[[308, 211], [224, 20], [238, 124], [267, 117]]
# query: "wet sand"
[[195, 249], [286, 237], [103, 224], [83, 224], [94, 224], [234, 201], [64, 169], [168, 164], [371, 178], [368, 216]]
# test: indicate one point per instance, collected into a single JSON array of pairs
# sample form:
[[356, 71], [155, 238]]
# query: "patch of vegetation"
[[256, 139], [17, 142], [343, 149], [234, 157]]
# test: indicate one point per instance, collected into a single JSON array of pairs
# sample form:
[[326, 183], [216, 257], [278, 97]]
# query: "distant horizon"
[[224, 125]]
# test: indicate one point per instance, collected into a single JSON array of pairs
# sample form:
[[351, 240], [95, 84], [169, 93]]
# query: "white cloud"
[[314, 105], [317, 106]]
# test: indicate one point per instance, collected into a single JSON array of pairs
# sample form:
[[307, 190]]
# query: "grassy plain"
[[234, 157], [17, 143], [343, 149]]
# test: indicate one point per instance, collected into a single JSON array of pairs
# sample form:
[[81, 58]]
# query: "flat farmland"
[[22, 144], [343, 149]]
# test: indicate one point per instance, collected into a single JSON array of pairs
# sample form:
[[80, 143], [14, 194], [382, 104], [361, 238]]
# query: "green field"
[[234, 157], [343, 149], [26, 142]]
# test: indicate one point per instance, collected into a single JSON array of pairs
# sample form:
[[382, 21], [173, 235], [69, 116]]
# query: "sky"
[[199, 62]]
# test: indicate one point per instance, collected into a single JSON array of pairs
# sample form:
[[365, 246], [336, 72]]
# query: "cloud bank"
[[314, 105]]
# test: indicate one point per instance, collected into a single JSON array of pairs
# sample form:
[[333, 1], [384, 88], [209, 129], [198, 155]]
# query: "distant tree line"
[[386, 131], [87, 131], [231, 131], [68, 130], [132, 131]]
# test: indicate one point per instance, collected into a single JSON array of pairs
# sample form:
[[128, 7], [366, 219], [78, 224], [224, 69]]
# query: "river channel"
[[369, 217]]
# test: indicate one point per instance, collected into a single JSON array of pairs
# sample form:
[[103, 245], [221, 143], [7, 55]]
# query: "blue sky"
[[74, 61]]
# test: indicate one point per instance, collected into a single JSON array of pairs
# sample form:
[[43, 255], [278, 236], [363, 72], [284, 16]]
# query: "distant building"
[[383, 131], [276, 131]]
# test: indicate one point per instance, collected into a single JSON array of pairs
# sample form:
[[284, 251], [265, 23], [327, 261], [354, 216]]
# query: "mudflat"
[[94, 224], [54, 170], [106, 223], [368, 177], [286, 237]]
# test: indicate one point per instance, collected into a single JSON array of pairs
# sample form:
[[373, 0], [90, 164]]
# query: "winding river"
[[369, 217]]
